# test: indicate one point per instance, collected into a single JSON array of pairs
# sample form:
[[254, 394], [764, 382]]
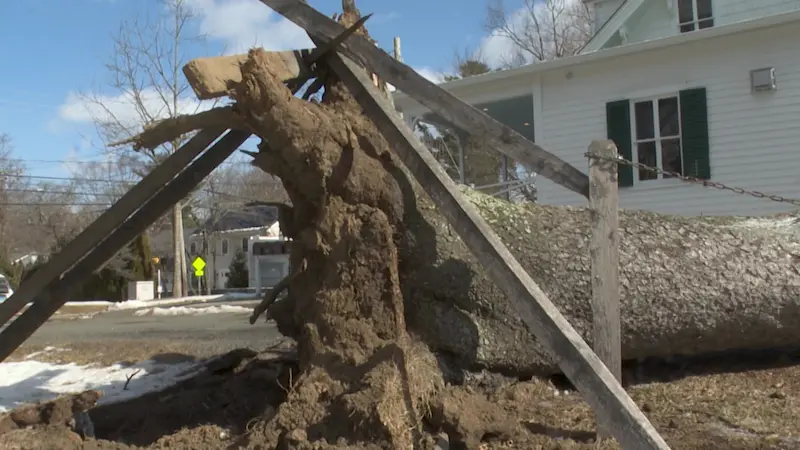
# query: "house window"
[[669, 132], [244, 245], [694, 15], [224, 246], [657, 136], [193, 248]]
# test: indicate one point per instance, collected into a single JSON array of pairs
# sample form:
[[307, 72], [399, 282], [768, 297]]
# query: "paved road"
[[202, 335]]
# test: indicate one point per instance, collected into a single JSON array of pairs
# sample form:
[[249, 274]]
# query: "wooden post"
[[106, 223], [397, 52], [398, 55], [493, 133], [604, 255], [58, 292], [598, 386]]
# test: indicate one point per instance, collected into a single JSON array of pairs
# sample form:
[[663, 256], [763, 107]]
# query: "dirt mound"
[[232, 407]]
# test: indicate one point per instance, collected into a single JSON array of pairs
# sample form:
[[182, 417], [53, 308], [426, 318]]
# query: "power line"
[[91, 180], [87, 161]]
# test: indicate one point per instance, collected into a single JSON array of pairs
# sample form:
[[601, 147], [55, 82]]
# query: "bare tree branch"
[[540, 30], [146, 86]]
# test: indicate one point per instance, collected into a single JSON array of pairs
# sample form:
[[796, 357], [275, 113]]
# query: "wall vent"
[[763, 79]]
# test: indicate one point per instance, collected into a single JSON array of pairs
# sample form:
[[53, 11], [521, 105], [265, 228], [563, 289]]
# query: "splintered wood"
[[213, 77]]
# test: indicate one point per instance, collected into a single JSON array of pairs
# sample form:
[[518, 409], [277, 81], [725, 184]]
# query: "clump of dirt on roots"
[[365, 380]]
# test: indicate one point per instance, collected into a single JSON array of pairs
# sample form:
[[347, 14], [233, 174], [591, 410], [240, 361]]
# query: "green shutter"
[[694, 133], [618, 129]]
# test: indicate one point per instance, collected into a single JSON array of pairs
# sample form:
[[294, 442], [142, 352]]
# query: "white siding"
[[731, 11], [654, 20], [657, 19], [755, 138]]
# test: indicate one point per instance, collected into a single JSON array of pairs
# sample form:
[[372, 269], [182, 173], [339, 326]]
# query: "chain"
[[695, 180]]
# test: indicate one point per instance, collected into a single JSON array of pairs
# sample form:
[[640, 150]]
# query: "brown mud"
[[232, 403]]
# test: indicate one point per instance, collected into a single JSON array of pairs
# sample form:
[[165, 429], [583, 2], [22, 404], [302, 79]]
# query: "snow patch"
[[138, 304], [90, 303], [192, 311], [770, 223], [32, 381]]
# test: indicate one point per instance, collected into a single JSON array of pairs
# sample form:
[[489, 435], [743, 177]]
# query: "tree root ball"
[[364, 378]]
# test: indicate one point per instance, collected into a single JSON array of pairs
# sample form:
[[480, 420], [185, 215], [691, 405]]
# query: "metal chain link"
[[695, 180]]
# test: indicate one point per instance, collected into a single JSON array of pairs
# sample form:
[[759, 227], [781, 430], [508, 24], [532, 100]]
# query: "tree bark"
[[688, 285]]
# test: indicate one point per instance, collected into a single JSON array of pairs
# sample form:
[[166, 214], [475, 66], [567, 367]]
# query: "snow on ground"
[[91, 303], [137, 304], [32, 381], [192, 311]]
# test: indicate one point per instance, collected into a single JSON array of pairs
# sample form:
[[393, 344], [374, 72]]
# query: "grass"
[[757, 409]]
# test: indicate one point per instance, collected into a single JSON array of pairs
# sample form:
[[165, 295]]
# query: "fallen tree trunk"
[[688, 285]]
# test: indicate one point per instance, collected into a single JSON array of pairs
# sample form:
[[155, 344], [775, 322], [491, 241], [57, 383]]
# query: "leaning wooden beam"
[[439, 101], [597, 384], [106, 223], [58, 293]]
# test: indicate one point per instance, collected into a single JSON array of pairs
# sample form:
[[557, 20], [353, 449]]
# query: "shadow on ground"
[[233, 390], [665, 370]]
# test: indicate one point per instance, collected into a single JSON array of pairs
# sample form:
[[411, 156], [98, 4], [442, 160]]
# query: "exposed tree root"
[[167, 130], [272, 295]]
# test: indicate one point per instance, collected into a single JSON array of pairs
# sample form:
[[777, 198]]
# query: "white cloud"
[[567, 17], [123, 108], [244, 24], [432, 75], [495, 49], [238, 24]]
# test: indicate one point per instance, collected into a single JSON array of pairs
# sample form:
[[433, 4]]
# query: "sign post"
[[199, 265]]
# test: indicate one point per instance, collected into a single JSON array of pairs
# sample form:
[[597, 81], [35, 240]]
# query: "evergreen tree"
[[238, 276]]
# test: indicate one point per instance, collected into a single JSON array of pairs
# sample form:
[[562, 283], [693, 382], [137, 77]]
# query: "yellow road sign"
[[198, 265]]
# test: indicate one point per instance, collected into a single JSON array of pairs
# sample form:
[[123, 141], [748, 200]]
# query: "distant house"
[[705, 88], [253, 229], [242, 229]]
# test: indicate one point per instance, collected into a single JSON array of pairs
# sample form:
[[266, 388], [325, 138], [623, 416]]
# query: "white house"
[[708, 88], [239, 230]]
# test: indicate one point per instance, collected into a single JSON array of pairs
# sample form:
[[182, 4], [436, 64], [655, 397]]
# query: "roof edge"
[[612, 25], [464, 84]]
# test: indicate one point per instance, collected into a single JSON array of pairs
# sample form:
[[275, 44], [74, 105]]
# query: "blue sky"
[[52, 49]]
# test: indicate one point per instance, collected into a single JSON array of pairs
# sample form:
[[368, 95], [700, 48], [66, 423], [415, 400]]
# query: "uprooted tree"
[[384, 298]]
